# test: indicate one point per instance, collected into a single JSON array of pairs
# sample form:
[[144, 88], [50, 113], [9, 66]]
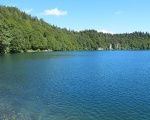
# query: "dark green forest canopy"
[[20, 32]]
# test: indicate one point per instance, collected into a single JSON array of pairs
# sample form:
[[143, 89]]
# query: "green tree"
[[5, 39]]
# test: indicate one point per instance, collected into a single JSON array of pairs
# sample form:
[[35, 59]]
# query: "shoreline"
[[38, 50]]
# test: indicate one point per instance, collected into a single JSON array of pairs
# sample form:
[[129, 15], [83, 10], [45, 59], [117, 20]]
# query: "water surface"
[[93, 85]]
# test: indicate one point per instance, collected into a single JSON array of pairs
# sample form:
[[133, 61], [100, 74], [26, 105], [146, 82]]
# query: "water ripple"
[[106, 85]]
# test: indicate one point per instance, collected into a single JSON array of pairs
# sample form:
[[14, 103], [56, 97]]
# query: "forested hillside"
[[20, 32]]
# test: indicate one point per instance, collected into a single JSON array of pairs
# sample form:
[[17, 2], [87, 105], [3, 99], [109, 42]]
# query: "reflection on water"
[[100, 85]]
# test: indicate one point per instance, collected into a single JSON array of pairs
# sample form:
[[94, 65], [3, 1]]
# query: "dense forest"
[[20, 32]]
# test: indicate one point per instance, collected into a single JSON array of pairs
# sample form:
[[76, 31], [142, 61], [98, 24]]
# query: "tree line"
[[20, 32]]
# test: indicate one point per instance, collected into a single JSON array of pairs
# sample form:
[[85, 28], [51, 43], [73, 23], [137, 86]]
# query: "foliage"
[[20, 32]]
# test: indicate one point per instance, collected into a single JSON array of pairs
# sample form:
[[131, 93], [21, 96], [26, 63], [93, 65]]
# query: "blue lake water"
[[91, 85]]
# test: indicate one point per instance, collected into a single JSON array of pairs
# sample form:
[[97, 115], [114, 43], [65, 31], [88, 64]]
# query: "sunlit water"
[[100, 85]]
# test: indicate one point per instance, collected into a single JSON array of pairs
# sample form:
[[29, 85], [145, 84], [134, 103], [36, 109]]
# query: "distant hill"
[[20, 32]]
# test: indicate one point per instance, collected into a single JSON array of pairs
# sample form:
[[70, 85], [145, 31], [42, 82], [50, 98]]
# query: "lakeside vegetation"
[[20, 32]]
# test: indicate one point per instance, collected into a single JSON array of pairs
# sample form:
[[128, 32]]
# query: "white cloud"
[[55, 12], [12, 5], [105, 31], [118, 12], [28, 10]]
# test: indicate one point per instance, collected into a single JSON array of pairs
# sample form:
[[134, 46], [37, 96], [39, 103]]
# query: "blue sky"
[[117, 16]]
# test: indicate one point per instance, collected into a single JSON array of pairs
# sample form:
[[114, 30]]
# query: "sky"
[[112, 16]]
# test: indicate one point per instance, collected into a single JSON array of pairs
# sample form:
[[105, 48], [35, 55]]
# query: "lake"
[[86, 85]]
